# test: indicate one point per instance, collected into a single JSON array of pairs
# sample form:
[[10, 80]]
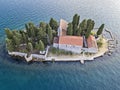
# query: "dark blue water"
[[101, 74]]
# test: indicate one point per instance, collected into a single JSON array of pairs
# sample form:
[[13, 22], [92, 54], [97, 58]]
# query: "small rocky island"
[[58, 41]]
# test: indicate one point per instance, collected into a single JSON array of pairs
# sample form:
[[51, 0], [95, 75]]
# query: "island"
[[59, 41]]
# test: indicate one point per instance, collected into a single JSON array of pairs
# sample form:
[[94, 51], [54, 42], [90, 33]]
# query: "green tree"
[[9, 45], [37, 46], [78, 19], [89, 30], [54, 24], [83, 24], [79, 31], [48, 28], [90, 26], [50, 36], [18, 36], [100, 30], [16, 41], [54, 33], [31, 29], [42, 47], [43, 26], [26, 27], [75, 29], [36, 30], [75, 23], [49, 32], [27, 30], [24, 38], [41, 34], [29, 47], [70, 29], [88, 22], [93, 24], [9, 33]]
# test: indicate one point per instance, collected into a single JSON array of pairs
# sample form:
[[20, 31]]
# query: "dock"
[[112, 42]]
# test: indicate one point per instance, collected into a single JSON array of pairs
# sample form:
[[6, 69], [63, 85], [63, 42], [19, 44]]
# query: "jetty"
[[112, 42]]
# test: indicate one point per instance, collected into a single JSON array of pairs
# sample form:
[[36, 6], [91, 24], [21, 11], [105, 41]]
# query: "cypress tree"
[[49, 32], [26, 27], [100, 30], [90, 26], [37, 46], [24, 38], [75, 28], [70, 29], [50, 35], [42, 47], [36, 30], [43, 26], [47, 28], [79, 31], [31, 29], [75, 23], [9, 33], [83, 24], [41, 34], [88, 22], [9, 45], [54, 24], [89, 30], [93, 24], [78, 19], [27, 30], [75, 19], [18, 36], [16, 41], [30, 47]]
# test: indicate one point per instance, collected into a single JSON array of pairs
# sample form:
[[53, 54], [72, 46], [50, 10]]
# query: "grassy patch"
[[100, 42], [59, 52]]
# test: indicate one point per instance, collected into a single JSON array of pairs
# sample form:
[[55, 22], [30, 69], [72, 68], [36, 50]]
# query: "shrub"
[[60, 51], [99, 43]]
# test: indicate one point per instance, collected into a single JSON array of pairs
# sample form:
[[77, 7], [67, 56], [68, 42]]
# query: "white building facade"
[[72, 48], [73, 43]]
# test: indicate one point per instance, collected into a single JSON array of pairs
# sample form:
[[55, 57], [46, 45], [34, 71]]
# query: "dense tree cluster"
[[53, 24], [38, 37], [70, 29], [32, 38], [84, 27], [75, 23]]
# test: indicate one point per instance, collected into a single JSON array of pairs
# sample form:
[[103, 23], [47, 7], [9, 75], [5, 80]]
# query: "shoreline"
[[64, 58], [106, 48]]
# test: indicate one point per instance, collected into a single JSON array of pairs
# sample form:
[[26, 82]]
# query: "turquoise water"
[[101, 74]]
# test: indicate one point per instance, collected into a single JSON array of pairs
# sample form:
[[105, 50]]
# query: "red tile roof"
[[91, 42], [71, 40]]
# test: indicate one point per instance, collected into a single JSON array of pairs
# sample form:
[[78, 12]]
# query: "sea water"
[[101, 74]]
